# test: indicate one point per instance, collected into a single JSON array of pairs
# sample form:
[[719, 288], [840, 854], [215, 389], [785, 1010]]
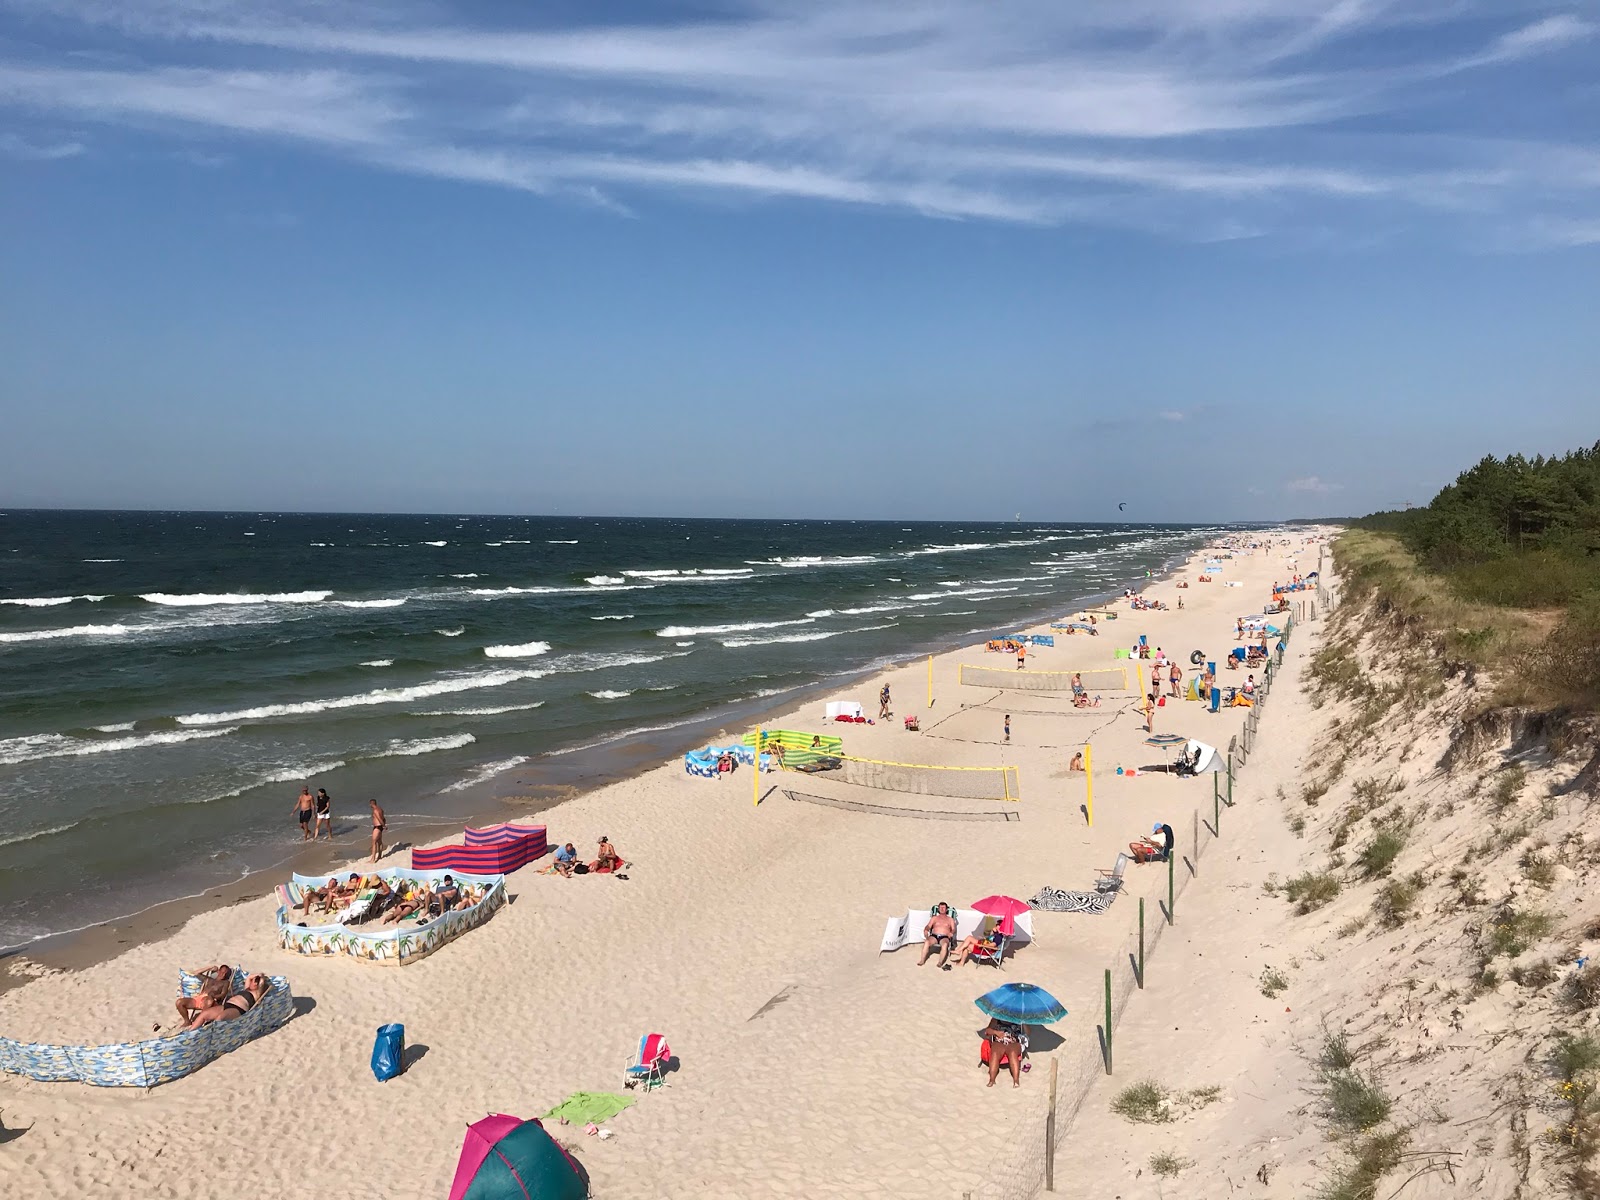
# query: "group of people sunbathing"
[[216, 999], [1080, 694], [939, 937], [566, 862], [389, 904]]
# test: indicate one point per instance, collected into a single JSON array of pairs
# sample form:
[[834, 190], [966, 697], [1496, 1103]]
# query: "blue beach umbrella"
[[1021, 1004]]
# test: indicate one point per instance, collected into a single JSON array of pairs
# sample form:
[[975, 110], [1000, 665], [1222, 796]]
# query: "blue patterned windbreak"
[[157, 1060]]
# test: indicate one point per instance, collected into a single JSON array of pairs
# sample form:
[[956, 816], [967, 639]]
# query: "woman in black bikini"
[[236, 1005]]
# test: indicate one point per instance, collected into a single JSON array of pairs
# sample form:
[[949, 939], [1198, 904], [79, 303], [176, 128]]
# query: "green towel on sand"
[[581, 1108]]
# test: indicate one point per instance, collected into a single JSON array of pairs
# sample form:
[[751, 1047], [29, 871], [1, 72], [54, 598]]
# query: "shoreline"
[[745, 933], [102, 940]]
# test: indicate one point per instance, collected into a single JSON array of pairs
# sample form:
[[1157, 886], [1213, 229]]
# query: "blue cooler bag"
[[389, 1052]]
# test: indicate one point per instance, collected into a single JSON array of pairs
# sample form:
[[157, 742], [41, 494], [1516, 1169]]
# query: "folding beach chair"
[[993, 955], [1111, 880], [649, 1064]]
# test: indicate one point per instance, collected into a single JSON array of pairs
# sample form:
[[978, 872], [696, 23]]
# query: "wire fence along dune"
[[1094, 679], [1089, 1052]]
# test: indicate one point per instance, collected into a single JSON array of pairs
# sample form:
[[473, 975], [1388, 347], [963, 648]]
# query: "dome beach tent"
[[507, 1158], [1204, 759]]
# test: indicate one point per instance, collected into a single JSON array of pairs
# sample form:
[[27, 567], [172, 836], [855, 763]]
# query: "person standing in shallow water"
[[324, 814], [305, 809], [379, 823]]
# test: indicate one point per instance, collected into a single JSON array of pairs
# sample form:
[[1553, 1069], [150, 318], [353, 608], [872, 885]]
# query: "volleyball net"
[[1097, 679], [917, 779]]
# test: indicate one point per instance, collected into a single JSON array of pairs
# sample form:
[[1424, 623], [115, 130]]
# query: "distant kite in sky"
[[1122, 505]]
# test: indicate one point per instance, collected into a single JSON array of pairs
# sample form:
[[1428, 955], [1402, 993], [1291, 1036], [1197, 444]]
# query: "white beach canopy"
[[1206, 759]]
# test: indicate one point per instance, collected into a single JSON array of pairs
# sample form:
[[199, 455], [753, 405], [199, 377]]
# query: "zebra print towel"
[[1059, 900]]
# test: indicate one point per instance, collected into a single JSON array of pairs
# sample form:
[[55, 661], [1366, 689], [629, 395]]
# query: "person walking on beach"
[[1022, 654], [1008, 729], [1173, 676], [883, 703], [324, 814], [304, 809], [379, 824]]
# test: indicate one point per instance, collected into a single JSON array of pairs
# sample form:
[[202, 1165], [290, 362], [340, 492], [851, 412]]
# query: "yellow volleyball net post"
[[755, 772], [1088, 781]]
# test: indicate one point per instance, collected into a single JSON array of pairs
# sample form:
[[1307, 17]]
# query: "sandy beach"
[[809, 1063]]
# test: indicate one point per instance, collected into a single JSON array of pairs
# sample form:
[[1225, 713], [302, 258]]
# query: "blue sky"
[[1230, 260]]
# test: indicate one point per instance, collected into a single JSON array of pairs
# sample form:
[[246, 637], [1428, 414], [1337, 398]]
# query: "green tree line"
[[1511, 530]]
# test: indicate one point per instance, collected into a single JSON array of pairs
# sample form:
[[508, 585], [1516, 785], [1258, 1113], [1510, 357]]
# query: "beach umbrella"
[[1004, 907], [507, 1158], [1021, 1004]]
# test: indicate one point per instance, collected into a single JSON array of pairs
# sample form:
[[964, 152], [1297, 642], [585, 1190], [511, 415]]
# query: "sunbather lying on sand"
[[415, 900], [236, 1005]]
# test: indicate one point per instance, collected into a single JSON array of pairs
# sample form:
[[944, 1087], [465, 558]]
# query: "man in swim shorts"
[[304, 808], [939, 934]]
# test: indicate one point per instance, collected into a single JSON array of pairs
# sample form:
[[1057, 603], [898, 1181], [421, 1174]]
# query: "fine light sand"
[[809, 1064]]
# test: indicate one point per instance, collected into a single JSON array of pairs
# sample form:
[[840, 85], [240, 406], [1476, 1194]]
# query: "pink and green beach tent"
[[507, 1158]]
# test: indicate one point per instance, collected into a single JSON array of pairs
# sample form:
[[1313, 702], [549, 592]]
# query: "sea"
[[169, 680]]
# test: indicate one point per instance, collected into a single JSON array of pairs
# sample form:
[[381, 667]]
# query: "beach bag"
[[389, 1052]]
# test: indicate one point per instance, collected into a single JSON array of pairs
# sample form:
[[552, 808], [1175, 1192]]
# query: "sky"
[[1225, 260]]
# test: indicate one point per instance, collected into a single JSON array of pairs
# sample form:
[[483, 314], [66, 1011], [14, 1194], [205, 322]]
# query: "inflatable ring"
[[1198, 657]]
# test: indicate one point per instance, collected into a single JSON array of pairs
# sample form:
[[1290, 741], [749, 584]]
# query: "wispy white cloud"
[[1195, 118], [1312, 485], [12, 146]]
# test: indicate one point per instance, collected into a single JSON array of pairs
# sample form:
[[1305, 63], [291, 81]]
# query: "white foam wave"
[[292, 775], [741, 642], [625, 733], [485, 773], [519, 541], [822, 560], [102, 560], [59, 745], [525, 650], [957, 548], [614, 617], [608, 694], [392, 602], [121, 727], [683, 643], [435, 543], [401, 748], [38, 833], [401, 695], [678, 631], [50, 601], [379, 662], [666, 574], [483, 712], [451, 632], [873, 608], [206, 599], [40, 635], [604, 580], [561, 541], [726, 571], [820, 613]]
